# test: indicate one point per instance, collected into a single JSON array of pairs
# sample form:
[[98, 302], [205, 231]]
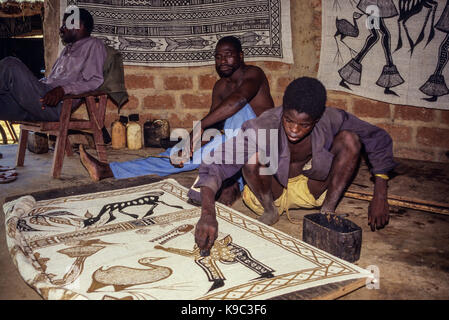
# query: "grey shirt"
[[79, 68], [376, 141]]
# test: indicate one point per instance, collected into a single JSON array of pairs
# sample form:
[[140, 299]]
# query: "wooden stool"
[[96, 108]]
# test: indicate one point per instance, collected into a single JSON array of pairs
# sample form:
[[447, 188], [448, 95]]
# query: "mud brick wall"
[[183, 95]]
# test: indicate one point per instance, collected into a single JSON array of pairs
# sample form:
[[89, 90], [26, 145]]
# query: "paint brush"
[[159, 156], [180, 165]]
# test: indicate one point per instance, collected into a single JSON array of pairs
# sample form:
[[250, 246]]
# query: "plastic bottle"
[[134, 133], [118, 132]]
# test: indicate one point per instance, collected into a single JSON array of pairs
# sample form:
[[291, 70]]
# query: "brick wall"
[[183, 95]]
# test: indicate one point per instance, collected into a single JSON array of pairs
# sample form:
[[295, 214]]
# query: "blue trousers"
[[162, 166], [20, 92]]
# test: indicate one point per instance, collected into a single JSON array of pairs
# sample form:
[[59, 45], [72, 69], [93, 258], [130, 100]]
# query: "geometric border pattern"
[[180, 33]]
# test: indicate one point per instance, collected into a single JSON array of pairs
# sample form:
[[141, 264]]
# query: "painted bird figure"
[[346, 29]]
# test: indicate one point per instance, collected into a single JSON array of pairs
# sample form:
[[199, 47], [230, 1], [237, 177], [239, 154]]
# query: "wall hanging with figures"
[[394, 51]]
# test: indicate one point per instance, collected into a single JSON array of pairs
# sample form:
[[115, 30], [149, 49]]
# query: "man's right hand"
[[206, 231], [179, 164], [52, 97]]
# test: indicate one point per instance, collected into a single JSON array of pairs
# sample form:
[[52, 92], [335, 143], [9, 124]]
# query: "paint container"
[[118, 132], [333, 234], [37, 142], [134, 133], [154, 131]]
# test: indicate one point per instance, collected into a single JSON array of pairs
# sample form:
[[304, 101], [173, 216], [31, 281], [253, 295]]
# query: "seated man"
[[309, 163], [241, 93], [78, 69]]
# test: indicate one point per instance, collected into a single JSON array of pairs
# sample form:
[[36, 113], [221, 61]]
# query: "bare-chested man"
[[241, 93], [317, 152]]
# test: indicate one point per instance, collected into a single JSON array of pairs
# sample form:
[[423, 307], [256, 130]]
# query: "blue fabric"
[[162, 166]]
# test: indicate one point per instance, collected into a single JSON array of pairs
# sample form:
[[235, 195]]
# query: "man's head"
[[303, 104], [228, 56], [73, 30]]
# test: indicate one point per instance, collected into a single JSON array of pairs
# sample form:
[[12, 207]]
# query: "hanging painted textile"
[[185, 33], [394, 51]]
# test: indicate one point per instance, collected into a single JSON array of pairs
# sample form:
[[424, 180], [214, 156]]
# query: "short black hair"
[[234, 41], [306, 95], [87, 20]]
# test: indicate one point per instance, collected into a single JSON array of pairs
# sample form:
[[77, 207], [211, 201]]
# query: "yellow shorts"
[[297, 195]]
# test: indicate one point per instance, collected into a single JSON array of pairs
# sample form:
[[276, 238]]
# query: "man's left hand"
[[378, 213], [53, 97]]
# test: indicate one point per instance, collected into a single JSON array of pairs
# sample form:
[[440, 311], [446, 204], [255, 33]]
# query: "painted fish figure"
[[250, 38], [138, 43], [187, 43]]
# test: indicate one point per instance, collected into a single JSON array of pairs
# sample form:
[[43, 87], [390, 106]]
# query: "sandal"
[[8, 176], [3, 168]]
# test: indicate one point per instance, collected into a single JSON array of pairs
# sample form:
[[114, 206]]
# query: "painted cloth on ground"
[[138, 243]]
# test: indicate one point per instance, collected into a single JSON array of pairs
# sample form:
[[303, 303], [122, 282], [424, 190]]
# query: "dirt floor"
[[412, 252]]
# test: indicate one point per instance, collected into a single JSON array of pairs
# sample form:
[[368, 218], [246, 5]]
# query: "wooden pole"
[[50, 28], [417, 204]]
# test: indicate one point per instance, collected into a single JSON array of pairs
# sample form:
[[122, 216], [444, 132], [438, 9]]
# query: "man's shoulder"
[[270, 119], [97, 41], [333, 113], [331, 117], [93, 42], [253, 70]]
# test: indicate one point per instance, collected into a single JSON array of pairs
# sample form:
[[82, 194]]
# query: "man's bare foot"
[[269, 217], [229, 194], [97, 170]]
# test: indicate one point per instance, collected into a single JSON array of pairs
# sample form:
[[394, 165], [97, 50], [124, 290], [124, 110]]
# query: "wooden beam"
[[11, 9], [405, 202]]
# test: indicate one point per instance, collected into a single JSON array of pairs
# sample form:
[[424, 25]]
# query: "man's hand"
[[53, 97], [378, 210], [178, 164], [206, 232]]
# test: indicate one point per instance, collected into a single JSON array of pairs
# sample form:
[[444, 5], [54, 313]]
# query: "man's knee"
[[250, 171], [9, 62], [9, 67], [348, 141]]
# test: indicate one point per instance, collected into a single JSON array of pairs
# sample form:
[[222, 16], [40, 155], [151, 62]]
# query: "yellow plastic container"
[[134, 133], [118, 134]]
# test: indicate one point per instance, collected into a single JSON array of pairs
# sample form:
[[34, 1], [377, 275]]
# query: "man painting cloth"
[[78, 69], [241, 93], [316, 150]]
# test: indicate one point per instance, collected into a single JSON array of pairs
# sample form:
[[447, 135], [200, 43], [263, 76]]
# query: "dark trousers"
[[20, 92]]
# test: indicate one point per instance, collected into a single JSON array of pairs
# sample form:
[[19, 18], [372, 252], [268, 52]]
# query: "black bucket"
[[333, 234]]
